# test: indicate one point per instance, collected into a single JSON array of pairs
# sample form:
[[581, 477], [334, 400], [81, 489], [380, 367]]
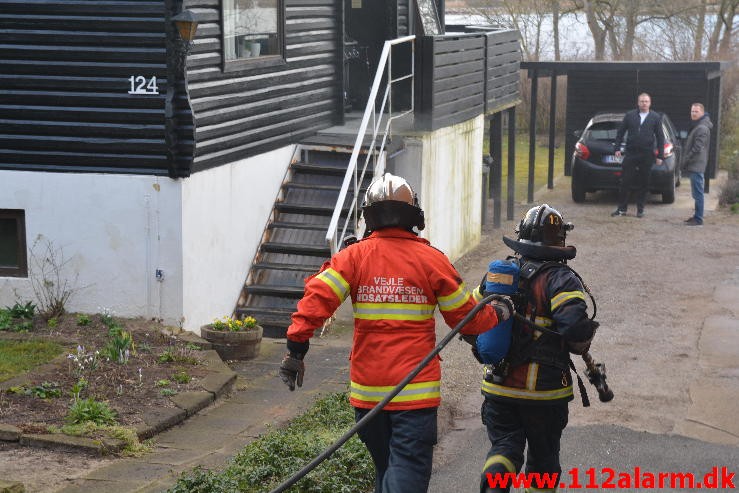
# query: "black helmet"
[[543, 225], [390, 201], [541, 235]]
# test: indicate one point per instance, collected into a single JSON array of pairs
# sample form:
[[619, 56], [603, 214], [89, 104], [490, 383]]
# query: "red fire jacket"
[[395, 280]]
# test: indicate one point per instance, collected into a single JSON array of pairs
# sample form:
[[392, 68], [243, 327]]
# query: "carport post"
[[496, 167], [552, 123], [532, 134], [511, 161]]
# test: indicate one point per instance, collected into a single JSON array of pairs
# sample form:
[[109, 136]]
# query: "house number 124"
[[140, 85]]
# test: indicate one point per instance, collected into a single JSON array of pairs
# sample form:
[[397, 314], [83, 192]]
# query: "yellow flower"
[[234, 324]]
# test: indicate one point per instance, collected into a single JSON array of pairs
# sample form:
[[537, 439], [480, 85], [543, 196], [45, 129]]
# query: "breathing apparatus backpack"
[[502, 278]]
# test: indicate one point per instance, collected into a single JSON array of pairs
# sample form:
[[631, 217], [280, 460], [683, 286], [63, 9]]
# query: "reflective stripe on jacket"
[[395, 281]]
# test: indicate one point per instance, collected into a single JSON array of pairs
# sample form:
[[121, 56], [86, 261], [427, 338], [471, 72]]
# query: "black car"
[[596, 167]]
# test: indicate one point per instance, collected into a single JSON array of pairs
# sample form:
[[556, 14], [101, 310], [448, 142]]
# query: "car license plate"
[[612, 159]]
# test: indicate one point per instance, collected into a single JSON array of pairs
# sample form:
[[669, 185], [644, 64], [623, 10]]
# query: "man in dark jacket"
[[644, 128], [695, 158]]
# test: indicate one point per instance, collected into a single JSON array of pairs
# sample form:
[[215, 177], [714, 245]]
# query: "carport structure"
[[614, 86]]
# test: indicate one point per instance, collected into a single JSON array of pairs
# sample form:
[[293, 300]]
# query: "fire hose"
[[380, 405]]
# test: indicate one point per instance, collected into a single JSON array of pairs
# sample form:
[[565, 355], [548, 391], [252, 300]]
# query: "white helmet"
[[390, 201]]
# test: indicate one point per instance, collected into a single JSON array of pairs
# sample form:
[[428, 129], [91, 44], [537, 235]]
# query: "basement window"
[[13, 259], [252, 29]]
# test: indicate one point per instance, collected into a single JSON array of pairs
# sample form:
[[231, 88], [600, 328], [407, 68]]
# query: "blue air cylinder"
[[502, 278]]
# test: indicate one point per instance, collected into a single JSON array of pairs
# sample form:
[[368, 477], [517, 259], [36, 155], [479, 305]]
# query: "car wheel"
[[578, 188], [678, 176], [668, 195]]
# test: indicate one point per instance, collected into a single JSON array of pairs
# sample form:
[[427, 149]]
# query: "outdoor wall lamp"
[[186, 24]]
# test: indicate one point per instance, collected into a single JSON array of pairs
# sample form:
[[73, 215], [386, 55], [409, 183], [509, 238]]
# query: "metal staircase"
[[294, 244], [319, 203]]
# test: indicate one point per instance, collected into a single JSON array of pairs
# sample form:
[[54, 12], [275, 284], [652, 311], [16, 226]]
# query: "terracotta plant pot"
[[243, 344]]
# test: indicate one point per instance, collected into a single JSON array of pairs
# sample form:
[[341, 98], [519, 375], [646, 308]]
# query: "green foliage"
[[52, 322], [17, 357], [178, 355], [90, 410], [22, 311], [132, 448], [12, 323], [46, 390], [168, 392], [163, 383], [83, 320], [181, 377], [120, 346], [272, 458]]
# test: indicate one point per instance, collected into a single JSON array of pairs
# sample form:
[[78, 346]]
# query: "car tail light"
[[582, 151], [667, 152]]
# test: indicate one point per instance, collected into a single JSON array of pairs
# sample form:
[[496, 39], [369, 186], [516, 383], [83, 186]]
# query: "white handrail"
[[385, 62]]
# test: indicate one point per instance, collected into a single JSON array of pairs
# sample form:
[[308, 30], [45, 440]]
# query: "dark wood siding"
[[245, 111], [467, 74], [64, 69], [502, 72]]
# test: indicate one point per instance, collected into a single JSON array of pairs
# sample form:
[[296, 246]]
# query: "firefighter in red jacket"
[[395, 280]]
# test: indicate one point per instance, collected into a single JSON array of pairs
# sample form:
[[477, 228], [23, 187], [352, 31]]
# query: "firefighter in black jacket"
[[644, 128], [527, 396]]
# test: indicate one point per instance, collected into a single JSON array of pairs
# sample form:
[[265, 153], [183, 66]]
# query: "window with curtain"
[[251, 28]]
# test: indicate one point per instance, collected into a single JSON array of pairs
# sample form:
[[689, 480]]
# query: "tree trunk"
[[716, 33], [599, 35], [555, 29], [724, 47], [700, 31]]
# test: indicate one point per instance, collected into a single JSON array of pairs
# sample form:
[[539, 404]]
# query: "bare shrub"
[[48, 276]]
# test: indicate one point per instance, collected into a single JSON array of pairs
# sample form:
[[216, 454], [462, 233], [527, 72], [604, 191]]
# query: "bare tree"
[[700, 31]]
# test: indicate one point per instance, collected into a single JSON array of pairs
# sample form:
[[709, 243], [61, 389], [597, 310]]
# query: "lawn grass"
[[541, 165], [17, 357]]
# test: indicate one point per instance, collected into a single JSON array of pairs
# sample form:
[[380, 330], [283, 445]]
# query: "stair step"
[[266, 313], [321, 169], [310, 186], [269, 290], [308, 209], [279, 266], [313, 250], [294, 225]]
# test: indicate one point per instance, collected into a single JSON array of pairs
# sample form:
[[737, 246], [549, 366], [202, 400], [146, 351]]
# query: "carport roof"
[[544, 69]]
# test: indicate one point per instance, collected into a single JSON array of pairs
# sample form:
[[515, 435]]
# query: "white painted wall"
[[445, 169], [117, 230], [114, 230], [225, 210]]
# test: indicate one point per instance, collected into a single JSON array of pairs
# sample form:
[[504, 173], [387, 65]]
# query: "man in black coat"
[[644, 127]]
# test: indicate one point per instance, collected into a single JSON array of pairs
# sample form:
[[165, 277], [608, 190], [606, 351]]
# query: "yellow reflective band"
[[393, 311], [534, 395], [454, 300], [337, 283], [565, 296], [477, 296], [411, 392], [532, 375], [499, 459], [543, 321]]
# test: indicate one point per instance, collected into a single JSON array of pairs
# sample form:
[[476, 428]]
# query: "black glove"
[[292, 370], [472, 341], [503, 307]]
